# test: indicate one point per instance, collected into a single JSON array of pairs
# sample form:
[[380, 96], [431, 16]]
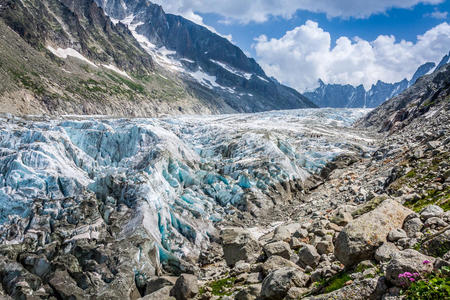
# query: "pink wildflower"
[[426, 262]]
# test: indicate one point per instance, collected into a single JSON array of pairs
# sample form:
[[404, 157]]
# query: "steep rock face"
[[338, 95], [67, 57], [81, 25], [430, 93], [421, 71], [445, 60], [207, 62]]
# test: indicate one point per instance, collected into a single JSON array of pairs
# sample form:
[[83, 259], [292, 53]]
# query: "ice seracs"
[[175, 176]]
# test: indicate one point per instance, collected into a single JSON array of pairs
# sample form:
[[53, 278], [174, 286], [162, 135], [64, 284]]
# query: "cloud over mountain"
[[261, 10], [306, 54]]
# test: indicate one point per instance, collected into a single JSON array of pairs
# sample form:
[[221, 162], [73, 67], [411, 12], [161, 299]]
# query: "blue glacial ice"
[[180, 175]]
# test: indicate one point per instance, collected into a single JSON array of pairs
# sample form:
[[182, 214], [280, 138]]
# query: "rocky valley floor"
[[278, 205]]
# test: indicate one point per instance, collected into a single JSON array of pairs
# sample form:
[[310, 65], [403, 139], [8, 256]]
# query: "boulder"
[[238, 244], [396, 234], [65, 286], [282, 233], [408, 260], [438, 245], [250, 292], [157, 283], [241, 267], [37, 264], [295, 243], [278, 248], [295, 293], [308, 256], [412, 226], [360, 238], [324, 247], [17, 282], [367, 289], [163, 293], [277, 284], [385, 252], [277, 262], [343, 215], [431, 211], [434, 222], [186, 287]]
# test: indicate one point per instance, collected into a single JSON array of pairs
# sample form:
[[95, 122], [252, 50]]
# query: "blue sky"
[[402, 23], [345, 41]]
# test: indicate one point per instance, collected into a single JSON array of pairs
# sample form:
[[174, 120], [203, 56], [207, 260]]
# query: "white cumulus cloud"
[[261, 10], [305, 54]]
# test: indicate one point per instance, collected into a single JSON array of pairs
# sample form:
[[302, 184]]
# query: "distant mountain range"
[[348, 96], [125, 57]]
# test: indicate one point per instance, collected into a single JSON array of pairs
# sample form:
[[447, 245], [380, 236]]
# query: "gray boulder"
[[367, 289], [277, 284], [186, 287], [308, 256], [278, 248], [431, 211], [325, 247], [396, 235], [385, 252], [163, 293], [412, 226], [238, 244], [434, 222], [282, 233], [438, 245], [241, 267], [250, 292], [277, 262], [65, 286], [408, 260], [157, 283], [360, 238]]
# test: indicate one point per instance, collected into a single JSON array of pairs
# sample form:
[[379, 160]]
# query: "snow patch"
[[263, 79], [64, 53], [117, 70], [232, 70], [204, 79]]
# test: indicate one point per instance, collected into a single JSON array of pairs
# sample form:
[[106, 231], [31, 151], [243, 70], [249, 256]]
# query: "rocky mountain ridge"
[[202, 58], [338, 95], [68, 57]]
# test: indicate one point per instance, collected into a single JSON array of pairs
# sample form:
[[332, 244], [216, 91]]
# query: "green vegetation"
[[440, 198], [336, 282], [136, 87], [411, 174], [221, 287], [361, 268], [434, 286], [27, 82]]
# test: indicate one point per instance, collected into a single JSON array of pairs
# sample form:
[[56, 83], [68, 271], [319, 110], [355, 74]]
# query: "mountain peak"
[[340, 95]]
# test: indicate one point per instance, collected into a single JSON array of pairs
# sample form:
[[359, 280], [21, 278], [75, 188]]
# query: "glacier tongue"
[[178, 175]]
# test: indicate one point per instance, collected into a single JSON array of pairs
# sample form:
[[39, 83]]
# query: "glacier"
[[179, 176]]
